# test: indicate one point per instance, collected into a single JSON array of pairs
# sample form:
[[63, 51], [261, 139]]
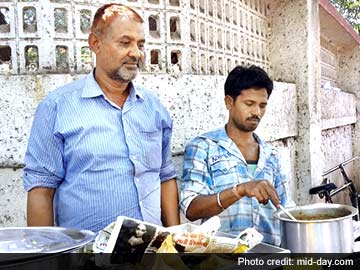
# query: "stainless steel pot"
[[320, 228]]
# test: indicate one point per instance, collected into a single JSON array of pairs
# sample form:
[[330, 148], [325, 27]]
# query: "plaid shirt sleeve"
[[282, 187], [196, 177]]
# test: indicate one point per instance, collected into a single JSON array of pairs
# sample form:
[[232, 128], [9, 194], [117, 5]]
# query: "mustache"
[[257, 118], [133, 60]]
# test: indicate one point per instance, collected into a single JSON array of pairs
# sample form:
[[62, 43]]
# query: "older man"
[[100, 146]]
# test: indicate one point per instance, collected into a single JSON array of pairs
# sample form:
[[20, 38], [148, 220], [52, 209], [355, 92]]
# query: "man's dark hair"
[[242, 78]]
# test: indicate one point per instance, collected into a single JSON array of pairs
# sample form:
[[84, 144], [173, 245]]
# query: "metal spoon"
[[287, 212]]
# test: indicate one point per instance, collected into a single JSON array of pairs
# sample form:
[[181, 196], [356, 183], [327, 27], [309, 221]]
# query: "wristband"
[[235, 192], [219, 202]]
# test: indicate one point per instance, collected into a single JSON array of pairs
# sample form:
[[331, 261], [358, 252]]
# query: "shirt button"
[[141, 203], [137, 179]]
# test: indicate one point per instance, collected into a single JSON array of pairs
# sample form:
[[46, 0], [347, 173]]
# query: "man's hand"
[[262, 190]]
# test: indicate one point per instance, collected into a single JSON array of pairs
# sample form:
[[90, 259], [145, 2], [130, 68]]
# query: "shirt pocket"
[[224, 174], [151, 141]]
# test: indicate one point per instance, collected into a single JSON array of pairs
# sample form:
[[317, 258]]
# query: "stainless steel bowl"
[[323, 228]]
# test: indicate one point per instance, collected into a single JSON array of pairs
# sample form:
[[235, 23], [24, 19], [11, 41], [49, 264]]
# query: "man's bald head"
[[107, 13]]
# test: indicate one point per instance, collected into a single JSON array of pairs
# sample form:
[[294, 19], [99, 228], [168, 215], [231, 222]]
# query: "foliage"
[[350, 10], [85, 21], [31, 54], [60, 20]]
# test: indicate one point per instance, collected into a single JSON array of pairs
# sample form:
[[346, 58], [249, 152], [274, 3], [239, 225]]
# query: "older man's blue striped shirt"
[[102, 160]]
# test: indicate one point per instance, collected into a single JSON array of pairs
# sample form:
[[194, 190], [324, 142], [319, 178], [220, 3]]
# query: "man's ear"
[[94, 43], [228, 102]]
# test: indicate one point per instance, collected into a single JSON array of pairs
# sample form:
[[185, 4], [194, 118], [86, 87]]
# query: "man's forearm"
[[170, 203], [206, 206], [40, 207]]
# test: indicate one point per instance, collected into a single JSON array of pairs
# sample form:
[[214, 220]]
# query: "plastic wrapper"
[[194, 238], [220, 244], [130, 236], [102, 238], [250, 237]]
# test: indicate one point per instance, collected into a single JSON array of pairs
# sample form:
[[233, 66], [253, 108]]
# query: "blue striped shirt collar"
[[93, 89]]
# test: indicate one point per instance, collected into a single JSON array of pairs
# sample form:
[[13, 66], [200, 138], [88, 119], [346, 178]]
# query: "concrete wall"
[[195, 104], [294, 57], [336, 147], [327, 117], [349, 80], [13, 198], [187, 98]]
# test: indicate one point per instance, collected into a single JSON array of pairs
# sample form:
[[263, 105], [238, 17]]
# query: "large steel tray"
[[28, 243]]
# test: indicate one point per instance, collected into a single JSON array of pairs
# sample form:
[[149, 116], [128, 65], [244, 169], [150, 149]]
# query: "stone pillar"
[[294, 57], [47, 34]]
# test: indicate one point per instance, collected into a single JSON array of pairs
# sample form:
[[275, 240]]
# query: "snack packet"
[[220, 244], [191, 241], [195, 238], [226, 243], [102, 238]]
